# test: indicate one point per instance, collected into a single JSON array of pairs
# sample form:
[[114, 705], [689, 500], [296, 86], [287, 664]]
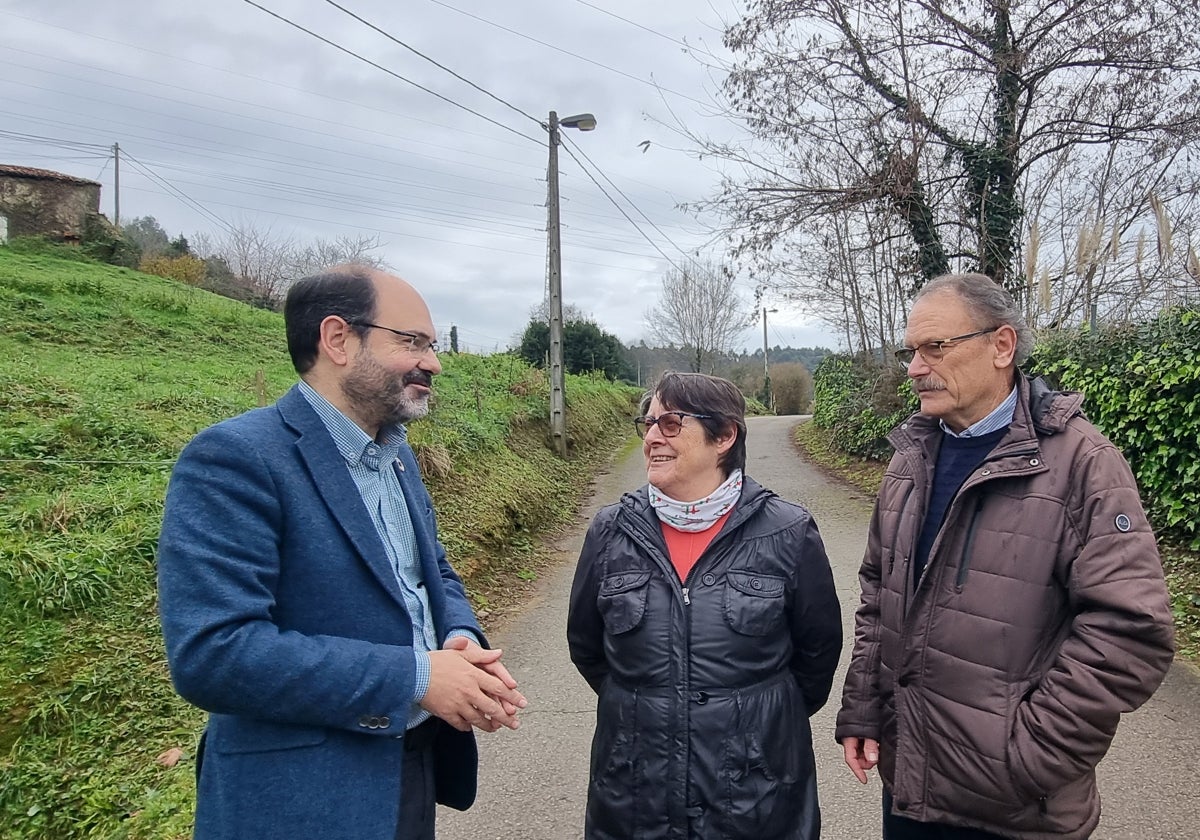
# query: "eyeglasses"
[[415, 343], [934, 351], [670, 423]]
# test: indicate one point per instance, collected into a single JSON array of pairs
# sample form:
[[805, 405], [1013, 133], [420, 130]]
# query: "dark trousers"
[[900, 828], [418, 805]]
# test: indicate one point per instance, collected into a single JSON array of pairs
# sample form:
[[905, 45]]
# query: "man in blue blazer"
[[306, 601]]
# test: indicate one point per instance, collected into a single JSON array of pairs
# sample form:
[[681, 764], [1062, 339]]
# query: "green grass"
[[106, 374], [1183, 580], [818, 445]]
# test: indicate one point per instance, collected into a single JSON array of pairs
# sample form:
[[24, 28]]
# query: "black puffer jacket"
[[705, 687]]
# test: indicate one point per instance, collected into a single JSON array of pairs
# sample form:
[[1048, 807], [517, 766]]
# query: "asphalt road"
[[533, 781]]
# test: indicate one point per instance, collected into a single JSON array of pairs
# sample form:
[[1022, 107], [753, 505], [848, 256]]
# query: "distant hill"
[[649, 361]]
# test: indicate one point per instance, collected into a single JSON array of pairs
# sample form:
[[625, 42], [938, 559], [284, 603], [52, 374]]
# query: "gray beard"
[[379, 398]]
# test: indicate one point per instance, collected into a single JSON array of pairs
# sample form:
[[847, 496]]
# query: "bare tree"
[[970, 125], [270, 262], [320, 254], [700, 311]]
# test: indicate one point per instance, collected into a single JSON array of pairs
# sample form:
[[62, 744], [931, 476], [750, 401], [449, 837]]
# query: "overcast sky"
[[256, 122]]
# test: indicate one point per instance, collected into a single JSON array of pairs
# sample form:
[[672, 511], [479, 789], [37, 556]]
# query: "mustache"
[[418, 377], [929, 383]]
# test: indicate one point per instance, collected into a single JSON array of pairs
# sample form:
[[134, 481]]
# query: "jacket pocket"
[[235, 736], [622, 600], [768, 787], [753, 602]]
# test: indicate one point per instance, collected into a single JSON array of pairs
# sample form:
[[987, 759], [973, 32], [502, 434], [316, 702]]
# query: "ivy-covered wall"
[[1141, 386], [860, 400]]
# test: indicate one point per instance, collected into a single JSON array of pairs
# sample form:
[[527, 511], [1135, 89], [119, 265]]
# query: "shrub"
[[1141, 387], [104, 242], [186, 268], [860, 400]]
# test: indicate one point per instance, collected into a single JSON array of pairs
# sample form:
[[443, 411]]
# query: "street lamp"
[[558, 408]]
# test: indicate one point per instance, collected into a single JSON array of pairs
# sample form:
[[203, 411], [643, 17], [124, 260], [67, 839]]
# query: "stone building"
[[39, 202]]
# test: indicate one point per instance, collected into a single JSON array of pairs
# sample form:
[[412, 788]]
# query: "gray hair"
[[988, 303]]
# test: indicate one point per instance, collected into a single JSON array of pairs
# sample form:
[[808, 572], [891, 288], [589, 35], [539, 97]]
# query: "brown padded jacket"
[[996, 686]]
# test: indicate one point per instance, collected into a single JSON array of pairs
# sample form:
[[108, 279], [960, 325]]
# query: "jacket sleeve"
[[861, 710], [816, 618], [219, 557], [585, 624], [1120, 641]]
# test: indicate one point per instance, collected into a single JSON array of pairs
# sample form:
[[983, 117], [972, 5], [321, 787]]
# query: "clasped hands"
[[469, 687]]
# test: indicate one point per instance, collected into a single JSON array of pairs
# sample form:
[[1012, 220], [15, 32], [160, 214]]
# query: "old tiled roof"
[[42, 175]]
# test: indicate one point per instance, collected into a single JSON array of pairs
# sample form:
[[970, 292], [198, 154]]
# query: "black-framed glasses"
[[934, 351], [415, 342], [670, 423]]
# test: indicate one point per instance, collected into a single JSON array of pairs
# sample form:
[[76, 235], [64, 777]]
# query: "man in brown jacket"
[[1013, 602]]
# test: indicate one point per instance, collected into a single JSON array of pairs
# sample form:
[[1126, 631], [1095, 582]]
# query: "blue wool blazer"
[[284, 620]]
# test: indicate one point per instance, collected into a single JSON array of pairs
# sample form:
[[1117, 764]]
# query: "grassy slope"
[[105, 374]]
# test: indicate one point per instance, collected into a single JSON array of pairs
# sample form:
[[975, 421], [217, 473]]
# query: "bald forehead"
[[391, 287], [399, 302], [937, 312]]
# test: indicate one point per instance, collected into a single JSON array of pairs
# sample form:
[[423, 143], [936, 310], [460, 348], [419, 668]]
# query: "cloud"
[[227, 114]]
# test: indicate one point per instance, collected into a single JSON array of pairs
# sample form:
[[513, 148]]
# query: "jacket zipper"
[[637, 528], [899, 524], [964, 563]]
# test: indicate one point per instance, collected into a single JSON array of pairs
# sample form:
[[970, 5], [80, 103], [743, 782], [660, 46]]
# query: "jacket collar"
[[753, 496], [337, 489], [1040, 411]]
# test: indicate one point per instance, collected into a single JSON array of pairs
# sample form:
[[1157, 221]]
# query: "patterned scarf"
[[701, 514]]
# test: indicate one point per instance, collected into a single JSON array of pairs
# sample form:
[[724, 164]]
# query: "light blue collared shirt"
[[1000, 416], [372, 465]]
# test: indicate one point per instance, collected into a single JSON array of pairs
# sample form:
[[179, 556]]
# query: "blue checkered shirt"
[[373, 465], [1000, 416]]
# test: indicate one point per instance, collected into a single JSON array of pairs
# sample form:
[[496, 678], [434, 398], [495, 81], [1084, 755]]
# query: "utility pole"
[[558, 402], [766, 370], [768, 397], [558, 407], [116, 185]]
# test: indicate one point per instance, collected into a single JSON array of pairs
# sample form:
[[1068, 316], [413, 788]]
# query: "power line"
[[629, 218], [706, 51], [456, 242], [683, 44], [191, 202], [392, 73], [415, 51], [176, 57], [454, 220], [51, 141], [175, 100], [120, 127], [567, 52], [628, 199], [373, 179], [373, 175], [383, 204]]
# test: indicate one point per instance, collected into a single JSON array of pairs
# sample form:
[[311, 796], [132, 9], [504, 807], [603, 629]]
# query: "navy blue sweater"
[[957, 457]]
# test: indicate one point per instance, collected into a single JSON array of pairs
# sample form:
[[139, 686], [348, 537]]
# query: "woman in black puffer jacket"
[[704, 616]]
